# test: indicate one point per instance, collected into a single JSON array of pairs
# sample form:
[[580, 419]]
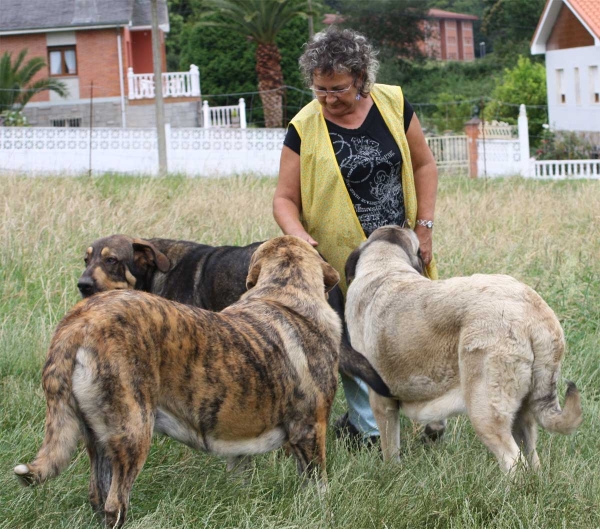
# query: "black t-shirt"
[[371, 165]]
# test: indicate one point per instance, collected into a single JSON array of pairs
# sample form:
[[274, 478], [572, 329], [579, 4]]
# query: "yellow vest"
[[327, 211]]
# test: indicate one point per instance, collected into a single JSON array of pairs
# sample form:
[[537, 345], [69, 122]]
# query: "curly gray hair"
[[340, 51]]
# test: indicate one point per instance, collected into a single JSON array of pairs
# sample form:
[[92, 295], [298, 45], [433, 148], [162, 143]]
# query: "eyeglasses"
[[335, 93]]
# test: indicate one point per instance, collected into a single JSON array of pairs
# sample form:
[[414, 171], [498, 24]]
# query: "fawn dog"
[[244, 381], [486, 345]]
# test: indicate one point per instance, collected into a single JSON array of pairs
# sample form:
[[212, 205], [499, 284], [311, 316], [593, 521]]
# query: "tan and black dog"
[[261, 373], [485, 345], [209, 277]]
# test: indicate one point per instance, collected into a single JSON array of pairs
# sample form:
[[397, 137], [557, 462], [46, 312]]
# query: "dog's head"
[[119, 262], [289, 260], [404, 238]]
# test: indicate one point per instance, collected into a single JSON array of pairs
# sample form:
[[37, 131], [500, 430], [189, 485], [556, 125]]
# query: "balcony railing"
[[174, 84]]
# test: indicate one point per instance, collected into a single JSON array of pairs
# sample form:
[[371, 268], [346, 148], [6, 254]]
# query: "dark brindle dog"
[[243, 381], [209, 277]]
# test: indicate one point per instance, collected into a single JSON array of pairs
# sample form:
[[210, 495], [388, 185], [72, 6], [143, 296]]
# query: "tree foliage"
[[510, 24], [227, 65], [16, 81], [395, 26], [523, 84], [182, 13], [261, 21]]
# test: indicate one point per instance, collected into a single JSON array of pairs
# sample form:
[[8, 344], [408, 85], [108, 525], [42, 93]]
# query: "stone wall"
[[108, 114]]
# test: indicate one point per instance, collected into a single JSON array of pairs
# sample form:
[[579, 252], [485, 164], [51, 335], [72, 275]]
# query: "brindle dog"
[[209, 277], [243, 381]]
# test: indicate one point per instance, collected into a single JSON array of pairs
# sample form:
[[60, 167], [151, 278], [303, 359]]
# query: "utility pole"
[[311, 29], [158, 95]]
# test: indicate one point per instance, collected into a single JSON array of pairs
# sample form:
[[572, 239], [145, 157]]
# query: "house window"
[[62, 60], [560, 87], [69, 122], [577, 88], [594, 85]]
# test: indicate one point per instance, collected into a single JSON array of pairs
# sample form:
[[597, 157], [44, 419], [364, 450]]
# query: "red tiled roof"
[[440, 13], [589, 11]]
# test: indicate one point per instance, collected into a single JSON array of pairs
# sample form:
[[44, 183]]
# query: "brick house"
[[568, 33], [449, 35], [102, 51]]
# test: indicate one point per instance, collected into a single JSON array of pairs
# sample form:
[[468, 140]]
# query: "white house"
[[568, 33]]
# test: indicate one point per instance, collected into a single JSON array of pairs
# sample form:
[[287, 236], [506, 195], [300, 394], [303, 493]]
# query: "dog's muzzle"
[[86, 286]]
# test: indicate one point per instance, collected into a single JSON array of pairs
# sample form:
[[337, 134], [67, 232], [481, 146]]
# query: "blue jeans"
[[359, 409]]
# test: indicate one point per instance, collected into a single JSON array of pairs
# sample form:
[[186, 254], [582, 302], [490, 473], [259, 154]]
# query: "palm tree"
[[261, 20], [16, 86]]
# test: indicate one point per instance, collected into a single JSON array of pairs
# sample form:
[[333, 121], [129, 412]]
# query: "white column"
[[130, 84], [242, 113], [167, 146], [206, 114], [524, 142], [195, 75]]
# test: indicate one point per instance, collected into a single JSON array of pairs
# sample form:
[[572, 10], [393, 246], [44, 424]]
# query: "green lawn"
[[546, 234]]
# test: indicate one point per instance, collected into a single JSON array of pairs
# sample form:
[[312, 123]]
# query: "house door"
[[141, 51]]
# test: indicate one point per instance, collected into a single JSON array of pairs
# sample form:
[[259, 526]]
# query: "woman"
[[354, 159]]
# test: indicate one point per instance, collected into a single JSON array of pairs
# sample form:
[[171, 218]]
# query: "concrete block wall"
[[183, 114]]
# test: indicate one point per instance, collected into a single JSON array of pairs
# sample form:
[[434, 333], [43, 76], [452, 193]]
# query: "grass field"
[[545, 234]]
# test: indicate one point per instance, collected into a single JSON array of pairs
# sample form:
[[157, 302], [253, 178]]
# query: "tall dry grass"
[[544, 233]]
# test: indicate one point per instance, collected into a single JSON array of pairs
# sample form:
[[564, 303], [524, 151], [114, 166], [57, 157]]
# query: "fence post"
[[195, 75], [206, 114], [130, 85], [242, 113], [472, 132], [524, 142]]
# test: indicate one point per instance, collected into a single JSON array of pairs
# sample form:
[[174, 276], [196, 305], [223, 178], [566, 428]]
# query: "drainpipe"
[[121, 87]]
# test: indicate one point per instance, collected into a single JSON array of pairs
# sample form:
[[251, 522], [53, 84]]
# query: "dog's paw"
[[26, 477], [433, 432]]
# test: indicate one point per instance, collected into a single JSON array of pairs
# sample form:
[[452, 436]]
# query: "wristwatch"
[[427, 223]]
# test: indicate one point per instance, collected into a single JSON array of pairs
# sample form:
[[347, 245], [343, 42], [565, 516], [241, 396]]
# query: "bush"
[[442, 93], [564, 145], [523, 84], [13, 118]]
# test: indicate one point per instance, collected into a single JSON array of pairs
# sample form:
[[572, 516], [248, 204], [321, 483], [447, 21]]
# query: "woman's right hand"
[[304, 235]]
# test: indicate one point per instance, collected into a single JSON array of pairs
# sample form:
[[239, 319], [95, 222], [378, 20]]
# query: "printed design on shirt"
[[363, 165]]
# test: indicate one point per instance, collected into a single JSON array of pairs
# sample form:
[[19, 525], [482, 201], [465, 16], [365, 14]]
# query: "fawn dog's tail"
[[548, 348], [63, 427]]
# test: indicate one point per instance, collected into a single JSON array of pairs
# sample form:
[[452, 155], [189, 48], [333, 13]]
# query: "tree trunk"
[[270, 81]]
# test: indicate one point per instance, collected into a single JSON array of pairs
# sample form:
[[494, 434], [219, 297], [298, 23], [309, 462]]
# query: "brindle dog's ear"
[[144, 252], [253, 273], [351, 263], [330, 276]]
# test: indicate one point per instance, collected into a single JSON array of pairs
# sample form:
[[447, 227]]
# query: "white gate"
[[451, 153]]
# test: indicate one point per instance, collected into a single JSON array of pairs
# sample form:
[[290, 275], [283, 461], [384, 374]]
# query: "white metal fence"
[[451, 153]]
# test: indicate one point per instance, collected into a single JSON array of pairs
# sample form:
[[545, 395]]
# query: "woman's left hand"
[[425, 243]]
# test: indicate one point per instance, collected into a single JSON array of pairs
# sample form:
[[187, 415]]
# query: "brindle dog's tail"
[[62, 423], [355, 364]]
